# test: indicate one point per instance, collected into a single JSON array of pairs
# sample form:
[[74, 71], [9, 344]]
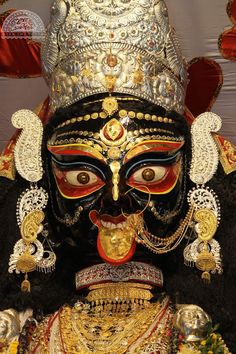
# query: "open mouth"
[[108, 221]]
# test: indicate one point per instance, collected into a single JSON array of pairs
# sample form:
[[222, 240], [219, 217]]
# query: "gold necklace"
[[82, 332], [117, 318], [157, 244], [118, 297]]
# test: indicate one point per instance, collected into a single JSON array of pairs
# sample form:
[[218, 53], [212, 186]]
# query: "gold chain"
[[83, 332], [80, 330], [158, 244]]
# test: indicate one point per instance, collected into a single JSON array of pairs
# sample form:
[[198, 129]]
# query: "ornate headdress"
[[113, 46]]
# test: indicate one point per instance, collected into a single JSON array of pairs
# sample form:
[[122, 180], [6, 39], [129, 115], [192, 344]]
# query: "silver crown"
[[122, 46]]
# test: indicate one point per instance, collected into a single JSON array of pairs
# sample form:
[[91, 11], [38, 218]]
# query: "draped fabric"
[[227, 40], [19, 58], [205, 82], [227, 44]]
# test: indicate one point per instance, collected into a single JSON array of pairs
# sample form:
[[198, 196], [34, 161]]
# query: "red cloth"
[[205, 82], [227, 44], [231, 10], [44, 112], [227, 40], [19, 58]]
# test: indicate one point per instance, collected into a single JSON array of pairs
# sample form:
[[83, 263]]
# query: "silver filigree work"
[[49, 47], [32, 199], [205, 155], [86, 72], [120, 46], [131, 271], [27, 151], [47, 263]]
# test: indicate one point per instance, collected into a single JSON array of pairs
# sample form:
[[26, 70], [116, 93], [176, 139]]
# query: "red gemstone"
[[112, 60]]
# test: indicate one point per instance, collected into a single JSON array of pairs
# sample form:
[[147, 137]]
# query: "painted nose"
[[115, 169]]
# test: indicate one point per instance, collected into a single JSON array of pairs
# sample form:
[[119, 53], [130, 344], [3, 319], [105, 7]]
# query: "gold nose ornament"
[[115, 169], [113, 135]]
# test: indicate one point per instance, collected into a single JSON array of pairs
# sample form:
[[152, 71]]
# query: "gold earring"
[[204, 252]]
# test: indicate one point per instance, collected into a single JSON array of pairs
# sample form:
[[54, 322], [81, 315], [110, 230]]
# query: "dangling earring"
[[28, 253], [204, 252]]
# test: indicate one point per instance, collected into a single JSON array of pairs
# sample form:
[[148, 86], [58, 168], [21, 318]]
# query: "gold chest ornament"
[[113, 327]]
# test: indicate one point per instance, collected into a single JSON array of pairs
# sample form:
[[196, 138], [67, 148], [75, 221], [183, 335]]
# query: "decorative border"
[[131, 271]]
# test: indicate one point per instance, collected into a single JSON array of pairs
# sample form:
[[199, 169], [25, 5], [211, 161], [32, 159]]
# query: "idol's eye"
[[155, 179], [149, 174], [78, 178], [79, 183]]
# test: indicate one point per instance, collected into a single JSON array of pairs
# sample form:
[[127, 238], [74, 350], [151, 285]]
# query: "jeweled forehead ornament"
[[127, 47], [114, 135], [204, 252]]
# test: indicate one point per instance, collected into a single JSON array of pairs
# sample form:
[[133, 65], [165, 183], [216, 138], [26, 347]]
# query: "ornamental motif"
[[131, 271], [30, 200], [204, 198], [205, 155], [89, 71], [28, 146], [130, 10], [35, 250], [113, 133], [124, 46]]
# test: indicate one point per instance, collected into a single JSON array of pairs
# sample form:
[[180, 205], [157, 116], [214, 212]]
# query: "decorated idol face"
[[116, 169]]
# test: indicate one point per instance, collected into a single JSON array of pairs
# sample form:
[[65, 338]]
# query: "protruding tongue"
[[116, 245]]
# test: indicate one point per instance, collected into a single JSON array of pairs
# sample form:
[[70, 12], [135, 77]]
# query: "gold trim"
[[141, 147], [125, 292], [116, 97], [121, 114], [83, 147]]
